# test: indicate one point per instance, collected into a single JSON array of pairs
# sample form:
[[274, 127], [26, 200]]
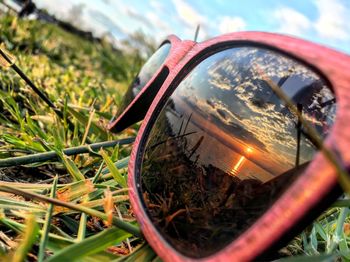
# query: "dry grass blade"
[[100, 202], [108, 206], [84, 120], [87, 128]]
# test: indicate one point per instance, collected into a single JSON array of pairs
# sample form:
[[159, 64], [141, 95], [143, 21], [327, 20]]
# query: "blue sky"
[[322, 21]]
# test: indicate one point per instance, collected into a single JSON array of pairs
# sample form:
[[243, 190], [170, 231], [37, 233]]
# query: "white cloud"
[[229, 24], [331, 24], [157, 5], [161, 28], [59, 10], [333, 20], [187, 14], [291, 21], [191, 18], [155, 20]]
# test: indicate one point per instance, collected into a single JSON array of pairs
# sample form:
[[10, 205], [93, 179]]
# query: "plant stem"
[[30, 83], [36, 90], [52, 155], [41, 94]]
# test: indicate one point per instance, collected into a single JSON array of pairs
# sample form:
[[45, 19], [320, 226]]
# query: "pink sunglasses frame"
[[311, 193]]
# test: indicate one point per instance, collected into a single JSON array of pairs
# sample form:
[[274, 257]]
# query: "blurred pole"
[[297, 158], [196, 33]]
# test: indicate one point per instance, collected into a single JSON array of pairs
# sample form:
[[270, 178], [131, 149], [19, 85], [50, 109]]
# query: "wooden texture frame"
[[316, 188]]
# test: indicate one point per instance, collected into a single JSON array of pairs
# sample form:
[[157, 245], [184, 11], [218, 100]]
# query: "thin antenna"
[[8, 60], [196, 33], [297, 157]]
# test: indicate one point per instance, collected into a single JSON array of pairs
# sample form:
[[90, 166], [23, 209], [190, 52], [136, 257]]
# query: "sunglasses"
[[224, 166]]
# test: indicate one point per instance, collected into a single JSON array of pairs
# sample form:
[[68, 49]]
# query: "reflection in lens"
[[225, 147], [145, 74]]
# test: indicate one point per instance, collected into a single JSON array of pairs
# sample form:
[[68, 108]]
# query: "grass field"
[[84, 197]]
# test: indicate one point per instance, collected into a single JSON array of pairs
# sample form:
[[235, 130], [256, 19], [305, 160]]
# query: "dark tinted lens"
[[225, 147], [145, 74]]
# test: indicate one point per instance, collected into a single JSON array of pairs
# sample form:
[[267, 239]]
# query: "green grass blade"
[[340, 222], [102, 256], [157, 259], [341, 203], [120, 164], [318, 258], [98, 173], [29, 237], [47, 223], [91, 245], [143, 253], [82, 227], [95, 129], [319, 229], [113, 169], [55, 242], [344, 249], [71, 224], [116, 222], [72, 169]]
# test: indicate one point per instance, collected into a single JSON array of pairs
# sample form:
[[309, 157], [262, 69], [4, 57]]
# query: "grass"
[[75, 207], [66, 195]]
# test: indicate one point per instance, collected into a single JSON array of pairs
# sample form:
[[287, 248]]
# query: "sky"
[[321, 21]]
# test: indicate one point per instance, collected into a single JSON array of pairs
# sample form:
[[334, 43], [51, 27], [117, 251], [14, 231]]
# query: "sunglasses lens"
[[145, 74], [225, 146]]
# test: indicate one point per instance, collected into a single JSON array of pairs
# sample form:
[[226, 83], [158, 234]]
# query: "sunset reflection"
[[224, 147], [240, 162], [249, 150]]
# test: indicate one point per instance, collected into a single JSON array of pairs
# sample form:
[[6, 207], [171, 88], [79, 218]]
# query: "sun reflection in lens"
[[248, 151], [238, 165]]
